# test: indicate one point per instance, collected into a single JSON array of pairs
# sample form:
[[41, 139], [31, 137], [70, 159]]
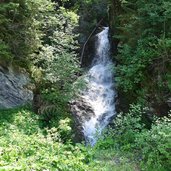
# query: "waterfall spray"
[[100, 91]]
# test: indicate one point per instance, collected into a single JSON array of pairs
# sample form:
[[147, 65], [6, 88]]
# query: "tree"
[[143, 29]]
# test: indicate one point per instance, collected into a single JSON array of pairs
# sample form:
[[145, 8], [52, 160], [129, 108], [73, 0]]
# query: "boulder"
[[13, 91], [81, 111]]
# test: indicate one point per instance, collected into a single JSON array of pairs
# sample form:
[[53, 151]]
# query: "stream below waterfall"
[[100, 92]]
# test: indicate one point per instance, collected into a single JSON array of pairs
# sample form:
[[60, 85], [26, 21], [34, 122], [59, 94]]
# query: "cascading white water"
[[100, 89]]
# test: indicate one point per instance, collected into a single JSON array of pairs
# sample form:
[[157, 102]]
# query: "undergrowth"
[[127, 146], [25, 146], [147, 148]]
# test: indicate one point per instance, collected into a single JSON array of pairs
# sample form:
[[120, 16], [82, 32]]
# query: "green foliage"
[[126, 127], [143, 29], [156, 145], [56, 64], [41, 39], [150, 147], [5, 52], [134, 68], [40, 36], [20, 24], [95, 7], [24, 146]]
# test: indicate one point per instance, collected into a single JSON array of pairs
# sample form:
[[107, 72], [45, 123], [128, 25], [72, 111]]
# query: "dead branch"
[[83, 49]]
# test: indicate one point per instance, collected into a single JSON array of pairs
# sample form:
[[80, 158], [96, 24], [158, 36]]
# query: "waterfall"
[[100, 89]]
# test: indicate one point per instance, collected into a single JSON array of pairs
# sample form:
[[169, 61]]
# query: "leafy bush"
[[143, 30], [122, 135], [150, 146], [20, 26], [5, 54], [24, 146], [155, 145]]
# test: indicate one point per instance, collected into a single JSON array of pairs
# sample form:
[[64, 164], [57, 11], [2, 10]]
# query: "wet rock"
[[81, 111], [13, 91]]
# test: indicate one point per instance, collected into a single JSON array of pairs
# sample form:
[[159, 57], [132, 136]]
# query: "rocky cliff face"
[[13, 91]]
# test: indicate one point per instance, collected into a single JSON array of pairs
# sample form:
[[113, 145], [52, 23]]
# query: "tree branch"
[[83, 49]]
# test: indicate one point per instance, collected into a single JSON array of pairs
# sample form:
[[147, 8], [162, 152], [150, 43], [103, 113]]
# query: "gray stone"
[[81, 112], [13, 91]]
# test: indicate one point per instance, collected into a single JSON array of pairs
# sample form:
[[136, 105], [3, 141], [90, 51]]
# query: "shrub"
[[143, 30], [24, 146], [125, 128], [150, 146], [155, 145]]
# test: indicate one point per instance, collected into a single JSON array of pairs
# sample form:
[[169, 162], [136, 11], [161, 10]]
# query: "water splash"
[[100, 89]]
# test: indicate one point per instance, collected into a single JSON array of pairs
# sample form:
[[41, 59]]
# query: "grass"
[[112, 160]]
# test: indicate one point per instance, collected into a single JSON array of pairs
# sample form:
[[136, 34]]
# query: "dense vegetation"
[[144, 33], [25, 146], [43, 37]]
